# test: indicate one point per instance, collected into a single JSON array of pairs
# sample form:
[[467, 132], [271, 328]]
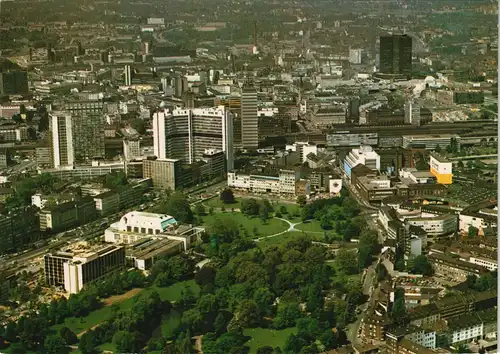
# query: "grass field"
[[263, 336], [280, 240], [310, 226], [168, 324], [171, 293], [272, 226]]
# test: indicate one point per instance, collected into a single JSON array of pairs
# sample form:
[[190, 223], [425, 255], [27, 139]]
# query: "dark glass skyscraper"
[[395, 54]]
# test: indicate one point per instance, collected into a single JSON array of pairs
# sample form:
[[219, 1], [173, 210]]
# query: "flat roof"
[[149, 248]]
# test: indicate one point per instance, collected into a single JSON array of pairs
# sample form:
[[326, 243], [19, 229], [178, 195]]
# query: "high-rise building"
[[395, 54], [88, 136], [412, 113], [13, 82], [355, 56], [131, 149], [185, 134], [75, 137], [165, 173], [61, 139], [249, 118], [128, 75], [180, 85]]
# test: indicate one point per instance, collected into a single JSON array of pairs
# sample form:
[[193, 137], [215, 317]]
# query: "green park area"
[[253, 227], [261, 337], [80, 324]]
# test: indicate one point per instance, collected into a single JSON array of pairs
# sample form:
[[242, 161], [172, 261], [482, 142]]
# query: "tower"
[[61, 139], [249, 119], [128, 75], [395, 54]]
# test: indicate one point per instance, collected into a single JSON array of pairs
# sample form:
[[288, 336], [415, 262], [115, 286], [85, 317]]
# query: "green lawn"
[[271, 227], [310, 226], [168, 324], [171, 293], [108, 347], [280, 240], [264, 336], [217, 203]]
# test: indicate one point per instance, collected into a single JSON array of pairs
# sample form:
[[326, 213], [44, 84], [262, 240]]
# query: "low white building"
[[283, 184], [135, 226], [480, 220], [490, 264], [437, 225], [365, 155]]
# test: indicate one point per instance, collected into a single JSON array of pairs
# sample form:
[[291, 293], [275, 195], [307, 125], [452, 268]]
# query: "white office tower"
[[364, 155], [412, 112], [355, 56], [128, 75], [249, 118], [185, 134], [164, 84], [61, 139]]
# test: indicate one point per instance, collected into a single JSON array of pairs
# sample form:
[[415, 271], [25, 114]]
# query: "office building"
[[430, 141], [355, 56], [395, 54], [441, 168], [76, 267], [180, 85], [88, 136], [131, 149], [145, 252], [128, 75], [61, 139], [76, 136], [249, 118], [412, 113], [17, 230], [283, 184], [64, 216], [365, 155], [186, 134], [13, 83], [165, 173], [135, 226]]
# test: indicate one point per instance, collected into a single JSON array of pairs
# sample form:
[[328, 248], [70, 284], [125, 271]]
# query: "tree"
[[115, 179], [398, 312], [265, 350], [178, 206], [472, 232], [248, 314], [346, 261], [437, 149], [421, 265], [199, 209], [227, 196], [283, 210], [125, 342], [301, 200], [139, 125], [68, 336], [55, 344], [250, 207]]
